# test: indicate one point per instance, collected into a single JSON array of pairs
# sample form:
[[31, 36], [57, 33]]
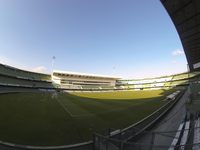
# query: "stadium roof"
[[86, 74], [23, 70], [185, 15]]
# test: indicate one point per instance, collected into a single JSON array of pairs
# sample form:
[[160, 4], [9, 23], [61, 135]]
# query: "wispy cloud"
[[6, 61], [174, 62], [178, 52], [40, 69]]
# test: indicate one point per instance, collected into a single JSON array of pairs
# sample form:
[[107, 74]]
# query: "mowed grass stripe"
[[64, 107], [106, 105], [80, 108], [120, 95], [25, 119], [39, 119], [71, 105], [117, 116]]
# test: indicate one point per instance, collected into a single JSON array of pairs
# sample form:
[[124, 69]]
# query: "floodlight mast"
[[52, 64], [188, 71]]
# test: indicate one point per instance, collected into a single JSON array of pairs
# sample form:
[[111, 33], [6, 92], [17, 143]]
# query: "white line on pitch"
[[86, 115], [65, 108], [109, 111]]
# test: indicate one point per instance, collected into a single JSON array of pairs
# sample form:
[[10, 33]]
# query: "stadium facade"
[[75, 80], [11, 76]]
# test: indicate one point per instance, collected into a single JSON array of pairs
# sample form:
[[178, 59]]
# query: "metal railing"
[[79, 146]]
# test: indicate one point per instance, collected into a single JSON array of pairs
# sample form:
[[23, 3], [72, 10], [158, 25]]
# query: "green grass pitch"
[[68, 118]]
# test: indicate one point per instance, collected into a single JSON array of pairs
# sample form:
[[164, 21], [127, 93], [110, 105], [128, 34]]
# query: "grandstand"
[[11, 76], [12, 81], [182, 79], [74, 80], [22, 74]]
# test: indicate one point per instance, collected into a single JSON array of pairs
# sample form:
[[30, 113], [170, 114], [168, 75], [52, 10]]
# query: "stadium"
[[81, 111]]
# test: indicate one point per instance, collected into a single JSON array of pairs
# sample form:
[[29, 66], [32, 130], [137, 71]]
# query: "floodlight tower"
[[52, 64], [188, 72]]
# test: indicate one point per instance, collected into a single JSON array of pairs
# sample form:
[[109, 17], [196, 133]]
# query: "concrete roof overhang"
[[185, 15]]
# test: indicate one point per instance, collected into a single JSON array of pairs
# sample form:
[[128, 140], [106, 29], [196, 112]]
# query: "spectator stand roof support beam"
[[185, 15]]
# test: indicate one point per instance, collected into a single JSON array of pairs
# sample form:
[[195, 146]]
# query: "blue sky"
[[129, 38]]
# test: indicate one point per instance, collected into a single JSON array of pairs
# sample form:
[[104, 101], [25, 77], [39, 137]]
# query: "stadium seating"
[[6, 80], [13, 76], [160, 82], [107, 87], [14, 72], [10, 76], [183, 76], [90, 86]]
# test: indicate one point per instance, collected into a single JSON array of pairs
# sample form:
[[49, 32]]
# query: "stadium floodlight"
[[52, 64]]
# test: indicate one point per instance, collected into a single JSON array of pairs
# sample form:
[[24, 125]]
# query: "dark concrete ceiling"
[[185, 15]]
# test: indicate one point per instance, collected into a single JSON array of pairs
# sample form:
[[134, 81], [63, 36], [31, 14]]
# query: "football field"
[[68, 118]]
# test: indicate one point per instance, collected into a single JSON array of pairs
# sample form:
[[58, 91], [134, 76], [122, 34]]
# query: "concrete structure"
[[76, 80], [185, 15]]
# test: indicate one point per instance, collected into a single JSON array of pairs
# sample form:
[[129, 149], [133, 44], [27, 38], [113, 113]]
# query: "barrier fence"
[[105, 143], [80, 146]]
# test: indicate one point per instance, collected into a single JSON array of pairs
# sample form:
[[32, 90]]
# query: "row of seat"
[[6, 80], [154, 85], [168, 79], [182, 136], [14, 72]]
